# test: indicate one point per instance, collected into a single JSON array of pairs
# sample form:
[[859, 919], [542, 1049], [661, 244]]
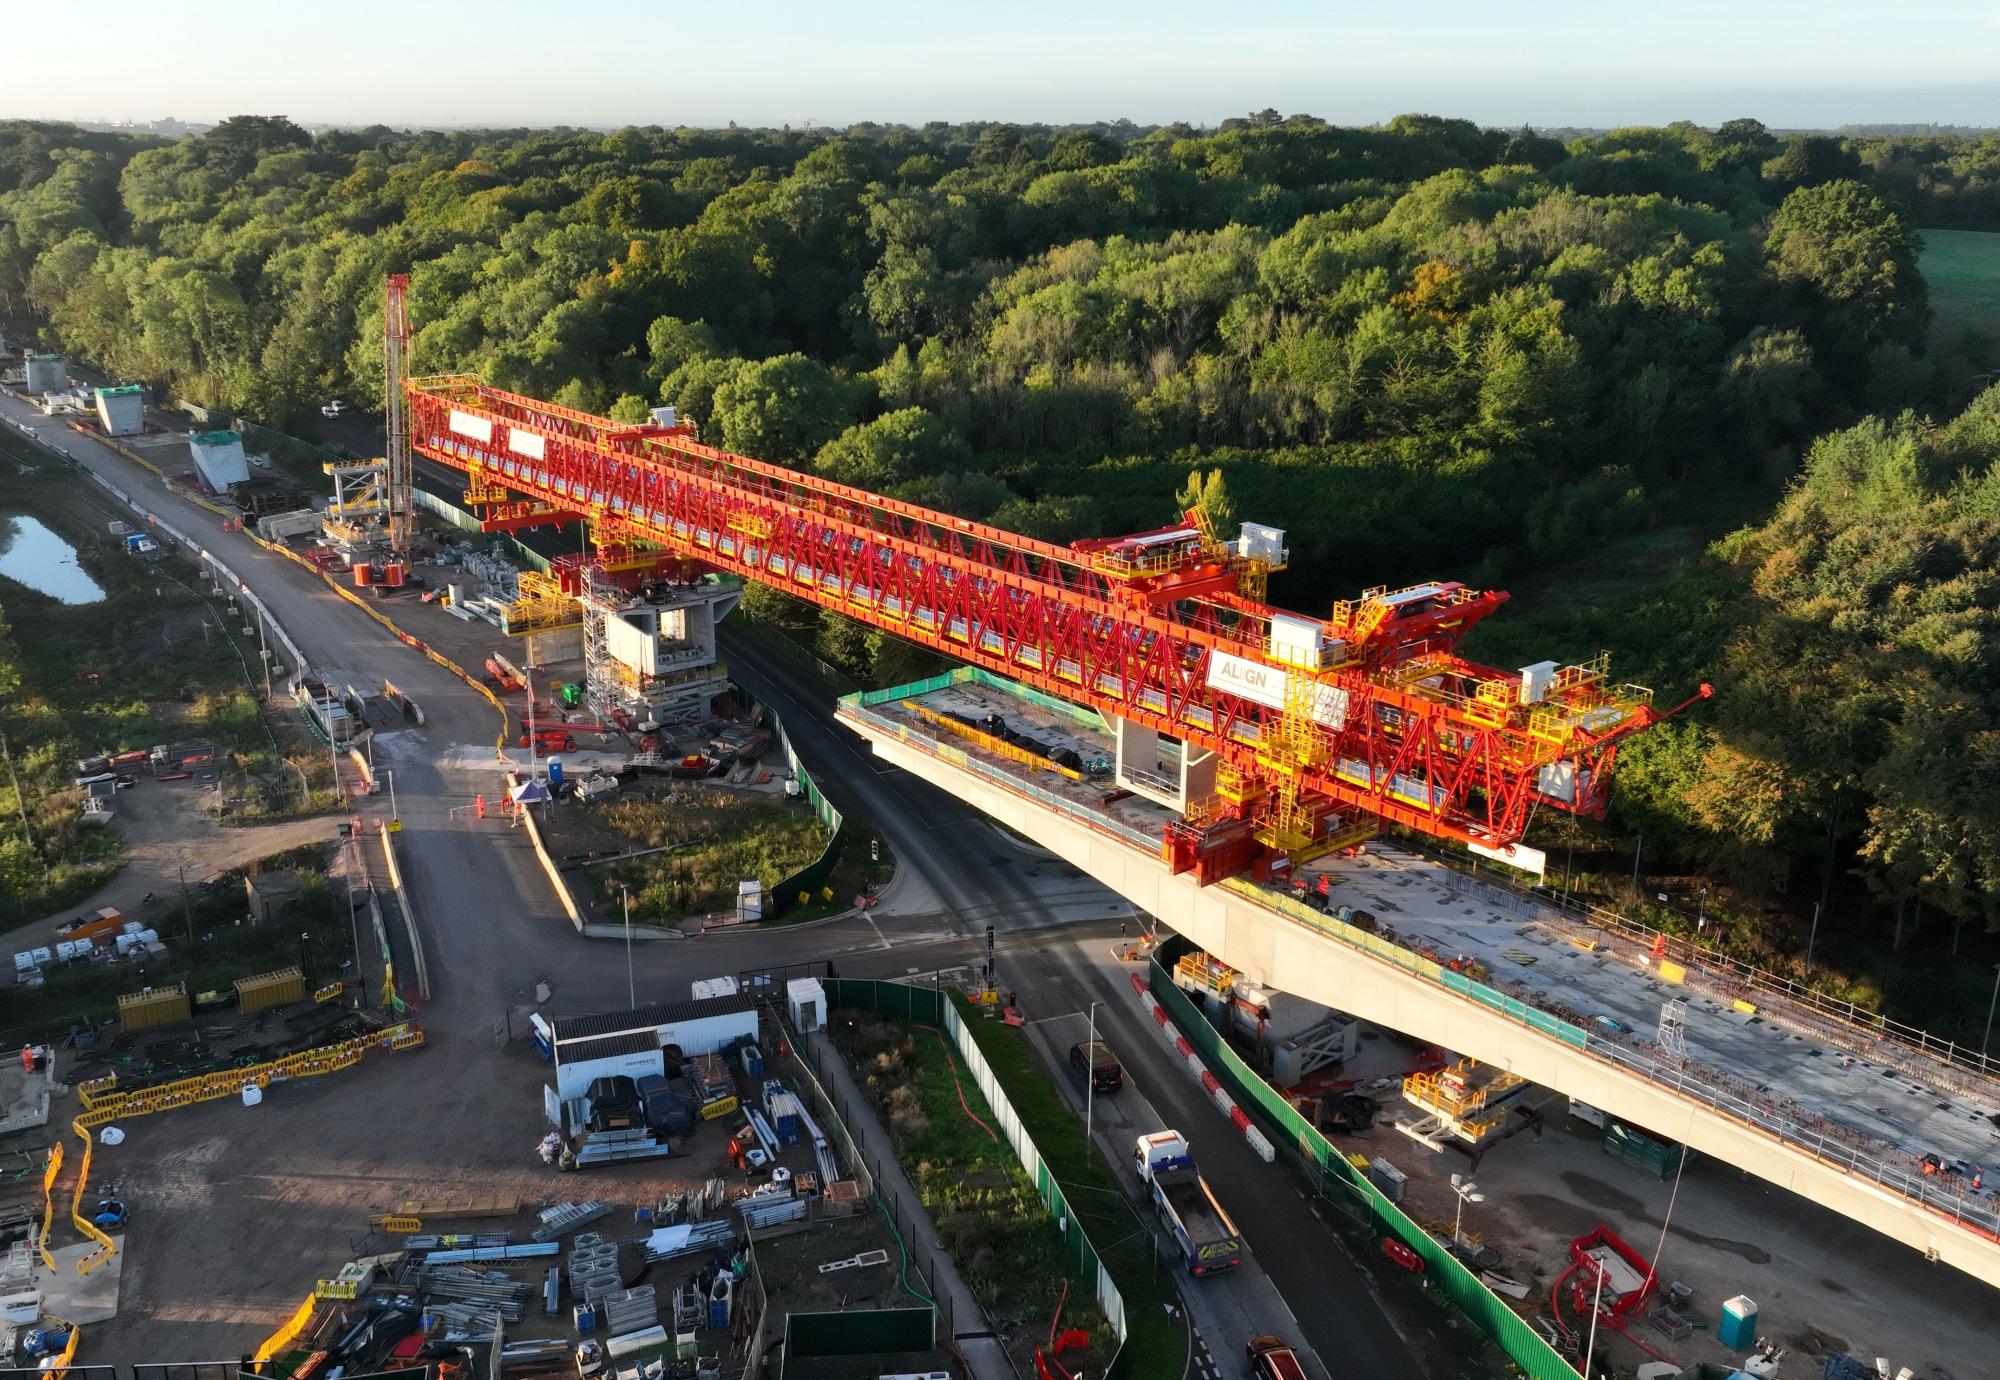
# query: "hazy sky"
[[612, 62]]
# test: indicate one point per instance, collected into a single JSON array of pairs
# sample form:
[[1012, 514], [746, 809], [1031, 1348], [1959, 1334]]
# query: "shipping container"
[[106, 921], [266, 990], [153, 1006]]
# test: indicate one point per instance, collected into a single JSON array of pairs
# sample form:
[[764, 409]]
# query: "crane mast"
[[396, 414]]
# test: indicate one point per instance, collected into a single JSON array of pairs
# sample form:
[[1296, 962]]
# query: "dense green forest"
[[1425, 348]]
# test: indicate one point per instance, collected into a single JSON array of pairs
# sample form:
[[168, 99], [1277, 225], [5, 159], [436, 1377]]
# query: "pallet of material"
[[637, 1341]]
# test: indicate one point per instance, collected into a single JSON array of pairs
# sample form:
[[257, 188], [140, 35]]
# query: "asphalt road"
[[493, 936]]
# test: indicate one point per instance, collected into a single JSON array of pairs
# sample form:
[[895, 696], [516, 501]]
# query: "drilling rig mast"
[[396, 414]]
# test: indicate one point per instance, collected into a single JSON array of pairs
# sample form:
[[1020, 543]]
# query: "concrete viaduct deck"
[[1868, 1171]]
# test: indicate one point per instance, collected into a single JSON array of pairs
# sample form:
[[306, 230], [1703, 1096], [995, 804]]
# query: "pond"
[[39, 559]]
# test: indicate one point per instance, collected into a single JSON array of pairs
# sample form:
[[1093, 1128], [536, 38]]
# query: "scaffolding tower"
[[649, 657], [354, 516]]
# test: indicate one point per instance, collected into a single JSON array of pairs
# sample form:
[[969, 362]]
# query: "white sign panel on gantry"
[[1266, 685]]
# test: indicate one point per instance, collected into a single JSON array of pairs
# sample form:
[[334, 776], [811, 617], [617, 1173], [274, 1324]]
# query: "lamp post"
[[264, 651], [1701, 912], [389, 774], [1986, 1043], [354, 936], [1812, 938], [631, 991], [187, 915], [1468, 1192], [1090, 1075], [1596, 1302], [1638, 847]]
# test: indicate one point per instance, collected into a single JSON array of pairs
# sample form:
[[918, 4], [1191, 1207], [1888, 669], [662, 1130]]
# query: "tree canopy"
[[1425, 348]]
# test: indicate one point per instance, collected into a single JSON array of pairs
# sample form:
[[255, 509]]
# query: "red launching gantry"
[[1320, 728]]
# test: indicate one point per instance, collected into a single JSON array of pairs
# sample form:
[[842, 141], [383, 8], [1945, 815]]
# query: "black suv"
[[1094, 1059]]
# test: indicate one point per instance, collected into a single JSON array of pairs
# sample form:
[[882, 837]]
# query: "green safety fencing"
[[928, 1006], [817, 873], [430, 503], [1514, 1008], [859, 1332], [257, 437], [901, 692], [894, 1001], [1347, 1186], [1079, 714]]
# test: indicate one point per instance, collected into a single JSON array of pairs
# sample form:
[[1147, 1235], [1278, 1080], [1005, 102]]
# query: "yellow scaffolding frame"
[[987, 742]]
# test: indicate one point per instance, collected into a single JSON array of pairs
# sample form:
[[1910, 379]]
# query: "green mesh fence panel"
[[860, 1332], [928, 1006]]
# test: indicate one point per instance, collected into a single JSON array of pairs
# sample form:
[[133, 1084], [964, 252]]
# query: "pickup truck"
[[1207, 1239]]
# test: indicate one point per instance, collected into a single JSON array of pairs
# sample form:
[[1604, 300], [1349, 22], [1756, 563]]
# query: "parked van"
[[1094, 1059]]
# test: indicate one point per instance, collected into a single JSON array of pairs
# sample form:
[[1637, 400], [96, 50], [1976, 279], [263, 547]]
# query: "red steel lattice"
[[1411, 739]]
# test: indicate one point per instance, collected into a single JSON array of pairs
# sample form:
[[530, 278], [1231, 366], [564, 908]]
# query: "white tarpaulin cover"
[[667, 1240]]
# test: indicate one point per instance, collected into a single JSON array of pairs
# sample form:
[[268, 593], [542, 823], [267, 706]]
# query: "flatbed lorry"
[[1208, 1241]]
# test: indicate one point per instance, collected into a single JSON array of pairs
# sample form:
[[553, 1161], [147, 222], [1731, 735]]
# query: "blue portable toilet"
[[555, 772], [1738, 1327]]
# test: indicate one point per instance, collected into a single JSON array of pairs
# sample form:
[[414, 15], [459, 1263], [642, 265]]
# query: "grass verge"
[[1155, 1344], [988, 1216]]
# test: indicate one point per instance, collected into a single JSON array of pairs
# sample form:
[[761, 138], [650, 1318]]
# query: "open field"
[[153, 659], [1962, 269]]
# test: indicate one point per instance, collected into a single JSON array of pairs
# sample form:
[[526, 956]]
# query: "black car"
[[1094, 1059]]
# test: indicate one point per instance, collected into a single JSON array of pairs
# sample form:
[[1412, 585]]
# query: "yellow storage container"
[[266, 990], [154, 1006]]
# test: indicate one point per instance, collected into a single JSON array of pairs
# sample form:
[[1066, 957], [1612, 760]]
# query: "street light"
[[631, 991], [1596, 1305], [1701, 911], [389, 774], [1090, 1075], [1987, 1043], [1468, 1192], [1812, 938]]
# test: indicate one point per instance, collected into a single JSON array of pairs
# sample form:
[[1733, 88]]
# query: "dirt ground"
[[1821, 1281], [164, 825], [237, 1210], [790, 1266]]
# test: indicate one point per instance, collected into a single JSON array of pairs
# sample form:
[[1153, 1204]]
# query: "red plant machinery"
[[1322, 726]]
